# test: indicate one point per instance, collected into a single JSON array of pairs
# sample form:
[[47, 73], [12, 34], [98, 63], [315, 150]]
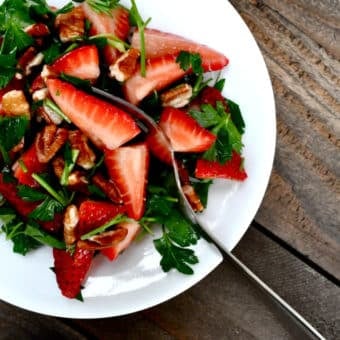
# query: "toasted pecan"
[[86, 158], [71, 25], [49, 141], [108, 187], [125, 65]]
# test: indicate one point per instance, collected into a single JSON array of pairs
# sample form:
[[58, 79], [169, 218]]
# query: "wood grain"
[[226, 305], [302, 202]]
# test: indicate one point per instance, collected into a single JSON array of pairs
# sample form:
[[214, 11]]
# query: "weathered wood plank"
[[226, 305], [301, 205]]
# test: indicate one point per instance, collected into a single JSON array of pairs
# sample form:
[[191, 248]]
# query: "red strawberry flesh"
[[160, 72], [93, 214], [117, 24], [184, 132], [105, 124], [158, 43], [32, 164], [232, 169], [82, 62], [71, 270], [133, 228], [128, 168]]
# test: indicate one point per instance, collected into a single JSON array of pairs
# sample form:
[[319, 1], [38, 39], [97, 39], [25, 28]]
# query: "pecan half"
[[30, 59], [49, 141], [14, 103], [104, 240], [37, 30], [108, 187], [86, 158], [71, 25], [71, 219], [193, 198], [178, 96], [125, 65]]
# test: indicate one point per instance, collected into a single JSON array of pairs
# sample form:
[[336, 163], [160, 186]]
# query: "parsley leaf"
[[222, 125], [189, 60], [34, 231], [178, 231], [12, 130], [14, 229], [136, 19], [103, 6], [174, 257], [236, 116], [29, 194], [52, 52], [7, 68], [46, 210]]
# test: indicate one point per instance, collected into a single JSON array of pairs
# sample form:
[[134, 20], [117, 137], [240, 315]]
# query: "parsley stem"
[[69, 167], [52, 106], [50, 190], [117, 219], [5, 155], [112, 40]]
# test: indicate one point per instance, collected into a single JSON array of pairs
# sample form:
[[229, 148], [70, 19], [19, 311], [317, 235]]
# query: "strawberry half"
[[159, 43], [105, 124], [128, 168], [184, 132], [133, 228], [117, 24], [159, 146], [70, 270], [160, 72], [232, 169], [93, 214], [30, 160], [82, 62]]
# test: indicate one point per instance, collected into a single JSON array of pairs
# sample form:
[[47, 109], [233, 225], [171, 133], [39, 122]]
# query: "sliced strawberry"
[[93, 214], [232, 169], [106, 125], [32, 164], [159, 146], [70, 270], [184, 132], [160, 72], [128, 168], [133, 228], [82, 62], [117, 24], [159, 43]]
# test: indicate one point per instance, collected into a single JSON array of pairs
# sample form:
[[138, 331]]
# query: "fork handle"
[[311, 331]]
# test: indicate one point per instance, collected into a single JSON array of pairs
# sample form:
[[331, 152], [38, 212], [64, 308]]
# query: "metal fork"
[[147, 124]]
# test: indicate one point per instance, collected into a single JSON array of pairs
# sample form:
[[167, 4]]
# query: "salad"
[[80, 174]]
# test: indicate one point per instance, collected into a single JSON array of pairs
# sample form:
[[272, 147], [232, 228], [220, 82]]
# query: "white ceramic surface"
[[135, 281]]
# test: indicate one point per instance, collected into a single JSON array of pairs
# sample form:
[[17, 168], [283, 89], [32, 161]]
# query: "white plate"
[[135, 281]]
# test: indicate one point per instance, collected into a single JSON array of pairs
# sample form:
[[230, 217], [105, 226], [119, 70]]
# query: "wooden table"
[[294, 242]]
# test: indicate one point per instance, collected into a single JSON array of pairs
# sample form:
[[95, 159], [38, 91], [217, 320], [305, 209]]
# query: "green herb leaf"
[[52, 52], [29, 194], [103, 6], [12, 130], [236, 116], [174, 257], [34, 231], [46, 210], [14, 229], [7, 68], [84, 84]]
